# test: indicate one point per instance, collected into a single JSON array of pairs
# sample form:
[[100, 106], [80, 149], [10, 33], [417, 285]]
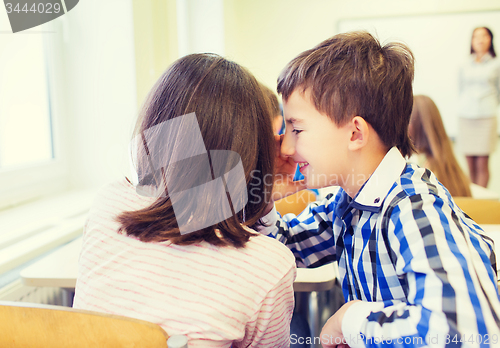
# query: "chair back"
[[295, 203], [482, 211], [43, 326]]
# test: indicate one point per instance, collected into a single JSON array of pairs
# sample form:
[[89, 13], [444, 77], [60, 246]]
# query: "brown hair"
[[429, 137], [232, 114], [351, 74], [276, 116], [492, 48], [273, 100]]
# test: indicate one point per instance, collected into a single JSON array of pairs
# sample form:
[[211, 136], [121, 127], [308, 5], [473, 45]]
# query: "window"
[[25, 119], [30, 163]]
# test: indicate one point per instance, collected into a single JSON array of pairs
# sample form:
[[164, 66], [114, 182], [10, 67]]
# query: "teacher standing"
[[478, 104]]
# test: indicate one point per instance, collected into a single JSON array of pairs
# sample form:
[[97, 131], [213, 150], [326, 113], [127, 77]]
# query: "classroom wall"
[[264, 35], [100, 90], [113, 53], [155, 41], [167, 29]]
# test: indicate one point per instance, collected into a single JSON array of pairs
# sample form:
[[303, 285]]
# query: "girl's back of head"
[[232, 115], [429, 137]]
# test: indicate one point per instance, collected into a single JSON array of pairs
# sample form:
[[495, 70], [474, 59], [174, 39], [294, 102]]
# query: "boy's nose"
[[287, 145]]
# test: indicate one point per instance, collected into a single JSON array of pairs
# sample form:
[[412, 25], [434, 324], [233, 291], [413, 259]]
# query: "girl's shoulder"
[[120, 195], [263, 252]]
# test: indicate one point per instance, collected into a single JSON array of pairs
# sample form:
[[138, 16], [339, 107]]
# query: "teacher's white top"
[[479, 87]]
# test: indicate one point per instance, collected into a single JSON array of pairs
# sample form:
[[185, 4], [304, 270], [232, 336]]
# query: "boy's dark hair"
[[351, 74]]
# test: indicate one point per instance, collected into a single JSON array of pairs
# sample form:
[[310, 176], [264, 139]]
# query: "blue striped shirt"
[[403, 244]]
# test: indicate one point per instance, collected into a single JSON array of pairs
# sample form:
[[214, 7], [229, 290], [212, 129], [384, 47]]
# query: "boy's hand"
[[333, 328], [285, 167]]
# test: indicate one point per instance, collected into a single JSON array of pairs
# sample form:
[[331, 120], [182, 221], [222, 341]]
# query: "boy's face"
[[315, 142]]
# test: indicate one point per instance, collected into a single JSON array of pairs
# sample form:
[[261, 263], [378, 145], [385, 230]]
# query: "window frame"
[[35, 180]]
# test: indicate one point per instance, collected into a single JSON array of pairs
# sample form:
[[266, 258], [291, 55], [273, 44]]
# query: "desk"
[[479, 192], [313, 299], [316, 279], [60, 269]]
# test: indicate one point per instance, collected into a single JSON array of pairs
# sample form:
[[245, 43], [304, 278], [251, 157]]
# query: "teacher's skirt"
[[478, 136]]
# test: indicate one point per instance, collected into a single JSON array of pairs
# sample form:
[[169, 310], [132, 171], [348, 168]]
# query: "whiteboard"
[[440, 43]]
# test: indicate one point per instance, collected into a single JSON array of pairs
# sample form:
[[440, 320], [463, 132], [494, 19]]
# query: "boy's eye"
[[296, 131]]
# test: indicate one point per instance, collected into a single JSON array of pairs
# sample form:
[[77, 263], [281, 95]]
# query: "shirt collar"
[[377, 187], [487, 57]]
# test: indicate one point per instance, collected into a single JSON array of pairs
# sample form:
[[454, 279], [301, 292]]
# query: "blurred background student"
[[478, 102], [276, 117], [434, 147]]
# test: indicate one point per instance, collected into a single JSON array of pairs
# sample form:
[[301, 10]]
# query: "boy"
[[414, 269]]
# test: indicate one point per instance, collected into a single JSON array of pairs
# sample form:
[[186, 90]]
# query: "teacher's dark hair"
[[233, 114], [492, 48]]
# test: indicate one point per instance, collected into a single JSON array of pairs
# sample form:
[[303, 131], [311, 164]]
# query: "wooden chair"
[[482, 211], [42, 326], [295, 203]]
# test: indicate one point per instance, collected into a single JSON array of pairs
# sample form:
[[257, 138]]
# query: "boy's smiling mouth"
[[302, 165]]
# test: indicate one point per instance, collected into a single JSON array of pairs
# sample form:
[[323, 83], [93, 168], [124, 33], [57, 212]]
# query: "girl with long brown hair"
[[176, 246], [430, 139]]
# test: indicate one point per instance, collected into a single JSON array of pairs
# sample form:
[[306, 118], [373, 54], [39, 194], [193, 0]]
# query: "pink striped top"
[[216, 296]]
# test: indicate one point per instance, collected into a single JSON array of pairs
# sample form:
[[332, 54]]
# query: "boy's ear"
[[360, 132]]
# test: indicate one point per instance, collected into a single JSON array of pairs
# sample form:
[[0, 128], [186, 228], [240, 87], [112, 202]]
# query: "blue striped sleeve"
[[309, 235]]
